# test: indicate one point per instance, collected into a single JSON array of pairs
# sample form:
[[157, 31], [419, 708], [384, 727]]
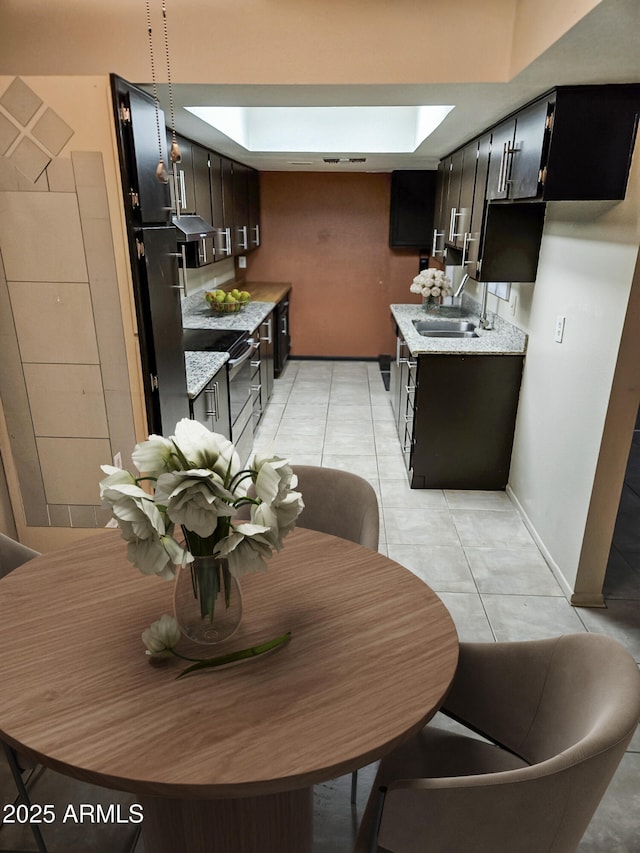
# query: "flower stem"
[[231, 657]]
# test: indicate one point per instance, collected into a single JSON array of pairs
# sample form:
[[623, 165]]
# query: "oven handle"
[[236, 363]]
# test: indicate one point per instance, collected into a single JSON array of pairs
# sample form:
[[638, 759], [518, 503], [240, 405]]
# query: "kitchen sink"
[[445, 328]]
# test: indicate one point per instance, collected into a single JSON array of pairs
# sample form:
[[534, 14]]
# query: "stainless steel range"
[[241, 346]]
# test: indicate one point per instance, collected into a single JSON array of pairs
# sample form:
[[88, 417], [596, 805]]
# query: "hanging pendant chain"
[[153, 79], [166, 50]]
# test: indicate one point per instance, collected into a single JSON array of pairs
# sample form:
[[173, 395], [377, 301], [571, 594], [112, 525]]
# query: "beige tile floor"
[[470, 547]]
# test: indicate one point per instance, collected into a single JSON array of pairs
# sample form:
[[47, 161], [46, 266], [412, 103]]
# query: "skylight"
[[325, 129]]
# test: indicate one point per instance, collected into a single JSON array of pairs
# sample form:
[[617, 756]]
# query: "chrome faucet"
[[485, 323], [465, 279]]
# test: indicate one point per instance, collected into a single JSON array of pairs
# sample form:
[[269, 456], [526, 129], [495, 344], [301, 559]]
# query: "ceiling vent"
[[344, 159]]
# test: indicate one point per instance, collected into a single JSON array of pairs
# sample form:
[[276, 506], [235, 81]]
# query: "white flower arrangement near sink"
[[433, 285]]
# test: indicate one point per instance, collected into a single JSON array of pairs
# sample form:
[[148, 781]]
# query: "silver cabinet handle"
[[182, 271], [183, 190], [455, 213], [256, 239], [468, 239], [244, 240], [225, 233], [269, 338], [434, 249], [212, 410]]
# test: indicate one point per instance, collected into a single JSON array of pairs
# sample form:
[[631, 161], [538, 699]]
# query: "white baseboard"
[[555, 569]]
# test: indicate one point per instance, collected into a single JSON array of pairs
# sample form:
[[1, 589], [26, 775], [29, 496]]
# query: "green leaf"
[[232, 657]]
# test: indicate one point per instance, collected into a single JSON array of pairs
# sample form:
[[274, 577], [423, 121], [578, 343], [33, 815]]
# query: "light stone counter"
[[503, 339], [196, 314], [201, 367]]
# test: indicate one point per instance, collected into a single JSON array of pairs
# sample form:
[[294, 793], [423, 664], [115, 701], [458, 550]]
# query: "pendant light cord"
[[153, 80]]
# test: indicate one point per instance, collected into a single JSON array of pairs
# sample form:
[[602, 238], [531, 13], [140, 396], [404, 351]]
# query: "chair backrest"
[[339, 503], [539, 698], [13, 554], [568, 706]]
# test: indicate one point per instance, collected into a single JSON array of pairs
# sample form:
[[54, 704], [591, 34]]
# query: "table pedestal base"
[[274, 823]]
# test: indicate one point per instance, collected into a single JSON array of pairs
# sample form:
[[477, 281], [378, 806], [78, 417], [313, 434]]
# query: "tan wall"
[[539, 23], [70, 386], [328, 234], [261, 41]]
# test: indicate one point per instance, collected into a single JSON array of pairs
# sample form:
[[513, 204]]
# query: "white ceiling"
[[604, 47]]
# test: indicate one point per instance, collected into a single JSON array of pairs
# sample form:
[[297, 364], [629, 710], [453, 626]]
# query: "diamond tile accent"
[[8, 133], [52, 131], [30, 160], [20, 101]]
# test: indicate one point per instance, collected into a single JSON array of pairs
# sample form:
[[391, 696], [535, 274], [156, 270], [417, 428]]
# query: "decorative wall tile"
[[61, 306], [71, 468], [29, 159], [82, 516], [41, 238], [51, 131], [11, 180], [8, 133], [60, 176], [59, 515], [16, 410], [66, 400], [20, 101]]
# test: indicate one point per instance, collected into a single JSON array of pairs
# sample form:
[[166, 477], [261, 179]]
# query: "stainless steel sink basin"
[[445, 328]]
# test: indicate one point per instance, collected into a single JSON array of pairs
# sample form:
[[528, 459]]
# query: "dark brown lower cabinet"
[[211, 407], [460, 421]]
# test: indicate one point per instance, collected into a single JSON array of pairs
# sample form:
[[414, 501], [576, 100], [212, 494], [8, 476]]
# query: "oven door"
[[241, 399]]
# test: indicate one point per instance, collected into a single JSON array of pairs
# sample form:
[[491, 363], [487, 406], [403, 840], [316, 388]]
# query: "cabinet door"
[[531, 143], [473, 238], [211, 406], [201, 182], [183, 195], [240, 207], [411, 214], [282, 338], [267, 366], [220, 178], [453, 196], [146, 199], [439, 214], [228, 212], [253, 177], [463, 213], [502, 141]]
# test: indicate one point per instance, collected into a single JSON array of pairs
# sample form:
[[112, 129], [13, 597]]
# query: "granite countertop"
[[201, 367], [503, 339], [196, 314]]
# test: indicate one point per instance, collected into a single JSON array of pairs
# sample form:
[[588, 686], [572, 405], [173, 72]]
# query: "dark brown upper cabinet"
[[411, 213], [573, 144]]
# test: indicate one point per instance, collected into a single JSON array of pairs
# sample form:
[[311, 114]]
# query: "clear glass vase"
[[432, 304], [207, 600]]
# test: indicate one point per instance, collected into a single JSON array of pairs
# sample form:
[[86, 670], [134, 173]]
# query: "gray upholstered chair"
[[339, 503], [345, 505], [12, 555], [556, 715]]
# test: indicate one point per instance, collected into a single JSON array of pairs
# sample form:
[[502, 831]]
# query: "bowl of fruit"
[[227, 302]]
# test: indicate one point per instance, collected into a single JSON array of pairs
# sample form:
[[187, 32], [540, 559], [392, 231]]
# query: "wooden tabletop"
[[372, 654]]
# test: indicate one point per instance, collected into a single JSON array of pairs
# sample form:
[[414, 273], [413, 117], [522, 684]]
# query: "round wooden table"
[[223, 759]]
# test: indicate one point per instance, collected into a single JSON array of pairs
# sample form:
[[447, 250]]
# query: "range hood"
[[192, 228]]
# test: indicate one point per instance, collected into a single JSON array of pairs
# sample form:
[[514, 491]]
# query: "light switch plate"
[[559, 329]]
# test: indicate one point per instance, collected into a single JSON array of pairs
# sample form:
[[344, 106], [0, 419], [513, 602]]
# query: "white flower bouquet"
[[200, 487], [431, 283]]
